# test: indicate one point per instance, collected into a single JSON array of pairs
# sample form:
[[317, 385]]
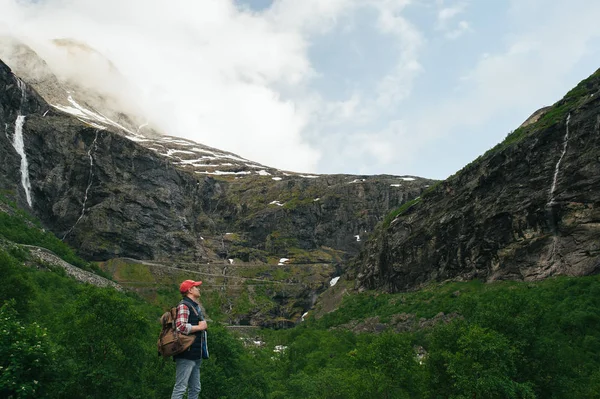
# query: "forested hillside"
[[62, 338]]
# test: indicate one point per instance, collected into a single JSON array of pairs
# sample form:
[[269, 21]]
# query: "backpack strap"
[[198, 311]]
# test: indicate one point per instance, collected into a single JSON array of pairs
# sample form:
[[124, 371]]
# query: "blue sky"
[[405, 87]]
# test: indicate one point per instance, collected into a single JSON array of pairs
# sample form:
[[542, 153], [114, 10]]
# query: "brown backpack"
[[170, 341]]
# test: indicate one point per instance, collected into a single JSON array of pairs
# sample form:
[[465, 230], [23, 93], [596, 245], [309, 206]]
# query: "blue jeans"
[[187, 375]]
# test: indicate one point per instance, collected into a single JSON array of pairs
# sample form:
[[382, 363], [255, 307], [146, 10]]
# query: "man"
[[189, 321]]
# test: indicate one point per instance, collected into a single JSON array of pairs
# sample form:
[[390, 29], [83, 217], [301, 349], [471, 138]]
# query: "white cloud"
[[463, 27], [245, 82], [381, 147], [201, 70], [397, 84], [446, 16], [529, 73], [314, 16], [212, 72]]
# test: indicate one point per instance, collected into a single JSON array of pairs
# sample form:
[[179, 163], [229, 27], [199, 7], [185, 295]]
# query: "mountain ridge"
[[111, 194], [527, 209]]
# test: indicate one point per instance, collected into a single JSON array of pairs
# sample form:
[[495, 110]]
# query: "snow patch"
[[77, 110], [218, 172], [171, 152]]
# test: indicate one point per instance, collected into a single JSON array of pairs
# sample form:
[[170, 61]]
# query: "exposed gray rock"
[[110, 194], [78, 274], [400, 323], [528, 209]]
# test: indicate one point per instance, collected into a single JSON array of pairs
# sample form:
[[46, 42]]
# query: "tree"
[[26, 355], [390, 367], [469, 361]]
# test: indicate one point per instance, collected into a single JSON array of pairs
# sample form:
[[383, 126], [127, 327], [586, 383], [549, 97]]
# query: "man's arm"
[[200, 327], [181, 323]]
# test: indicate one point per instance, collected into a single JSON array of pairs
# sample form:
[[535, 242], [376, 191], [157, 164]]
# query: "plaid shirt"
[[181, 323]]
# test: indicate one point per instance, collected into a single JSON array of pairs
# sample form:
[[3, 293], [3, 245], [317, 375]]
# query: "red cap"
[[187, 284]]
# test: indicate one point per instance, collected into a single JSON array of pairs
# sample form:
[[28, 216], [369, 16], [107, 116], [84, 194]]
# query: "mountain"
[[115, 189], [267, 241], [527, 209]]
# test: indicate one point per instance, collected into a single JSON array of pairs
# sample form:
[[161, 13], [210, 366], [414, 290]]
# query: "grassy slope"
[[532, 339]]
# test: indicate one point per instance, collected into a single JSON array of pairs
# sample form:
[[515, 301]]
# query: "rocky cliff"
[[111, 190], [527, 209], [112, 194]]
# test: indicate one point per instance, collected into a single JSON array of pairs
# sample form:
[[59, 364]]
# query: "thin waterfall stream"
[[557, 167], [90, 180], [551, 204], [19, 144]]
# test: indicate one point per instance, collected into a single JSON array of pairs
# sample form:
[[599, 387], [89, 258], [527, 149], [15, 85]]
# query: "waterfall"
[[20, 148], [90, 179], [557, 167], [550, 206], [19, 143]]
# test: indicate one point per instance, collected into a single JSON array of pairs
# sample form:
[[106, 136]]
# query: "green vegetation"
[[502, 340], [27, 355], [247, 254], [389, 218], [276, 242], [297, 202], [21, 228], [399, 211], [321, 255], [60, 338], [135, 272], [63, 339]]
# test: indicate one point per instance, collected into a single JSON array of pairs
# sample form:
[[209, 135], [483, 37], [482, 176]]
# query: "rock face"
[[527, 209], [110, 192], [113, 190]]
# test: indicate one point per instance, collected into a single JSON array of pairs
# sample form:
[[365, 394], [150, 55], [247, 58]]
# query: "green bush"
[[19, 230], [26, 356], [467, 360]]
